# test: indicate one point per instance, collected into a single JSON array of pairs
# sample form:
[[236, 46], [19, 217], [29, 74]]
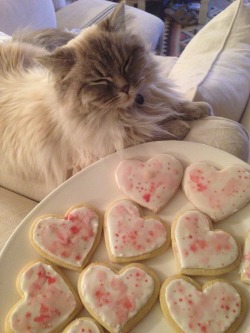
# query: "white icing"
[[69, 239], [200, 247], [151, 184], [131, 235], [83, 325], [213, 310], [115, 298], [48, 301], [217, 193]]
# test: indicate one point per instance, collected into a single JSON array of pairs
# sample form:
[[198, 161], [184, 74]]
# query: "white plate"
[[96, 186]]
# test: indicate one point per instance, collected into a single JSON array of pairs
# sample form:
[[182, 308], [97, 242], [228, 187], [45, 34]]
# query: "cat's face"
[[112, 69], [104, 66]]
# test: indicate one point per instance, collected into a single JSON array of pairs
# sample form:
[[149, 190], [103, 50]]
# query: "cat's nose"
[[125, 89]]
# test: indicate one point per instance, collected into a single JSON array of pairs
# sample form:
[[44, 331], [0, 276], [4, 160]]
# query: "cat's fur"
[[63, 110]]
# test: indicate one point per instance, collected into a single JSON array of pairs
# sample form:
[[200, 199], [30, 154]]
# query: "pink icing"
[[129, 234], [151, 184], [48, 301], [69, 239], [115, 298], [198, 246], [217, 193], [213, 310]]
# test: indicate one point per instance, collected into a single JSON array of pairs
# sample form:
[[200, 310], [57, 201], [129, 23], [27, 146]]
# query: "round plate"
[[96, 186]]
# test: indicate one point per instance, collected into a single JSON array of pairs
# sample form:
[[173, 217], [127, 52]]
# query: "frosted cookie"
[[67, 241], [48, 301], [245, 263], [130, 237], [83, 325], [216, 307], [216, 193], [151, 184], [202, 250], [118, 300]]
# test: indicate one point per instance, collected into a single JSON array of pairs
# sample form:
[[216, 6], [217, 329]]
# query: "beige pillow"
[[215, 65]]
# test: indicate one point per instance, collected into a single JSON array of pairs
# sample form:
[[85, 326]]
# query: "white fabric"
[[13, 208], [82, 13], [245, 120], [221, 133], [36, 14], [215, 65], [166, 64]]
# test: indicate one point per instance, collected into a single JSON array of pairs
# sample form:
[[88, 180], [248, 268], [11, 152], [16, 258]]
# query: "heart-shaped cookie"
[[118, 301], [201, 250], [83, 325], [67, 241], [245, 263], [48, 301], [217, 307], [217, 193], [129, 237], [151, 184]]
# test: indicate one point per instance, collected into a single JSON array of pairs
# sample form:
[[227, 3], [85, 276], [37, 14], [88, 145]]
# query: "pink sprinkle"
[[74, 230], [50, 279], [41, 319], [146, 197], [203, 329]]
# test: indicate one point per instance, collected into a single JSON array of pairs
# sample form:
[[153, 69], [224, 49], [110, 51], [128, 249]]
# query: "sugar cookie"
[[48, 301], [245, 263], [216, 193], [216, 307], [200, 249], [118, 300], [130, 237], [67, 241], [151, 184], [83, 325]]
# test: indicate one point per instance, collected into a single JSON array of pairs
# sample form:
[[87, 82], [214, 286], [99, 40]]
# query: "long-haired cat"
[[99, 93]]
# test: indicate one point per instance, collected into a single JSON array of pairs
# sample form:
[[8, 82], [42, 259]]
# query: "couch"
[[215, 67]]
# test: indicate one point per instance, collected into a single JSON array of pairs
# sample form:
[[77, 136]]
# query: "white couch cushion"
[[36, 14], [245, 120], [13, 208], [215, 65], [221, 133]]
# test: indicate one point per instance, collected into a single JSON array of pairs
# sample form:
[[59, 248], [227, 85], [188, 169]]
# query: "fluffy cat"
[[99, 93]]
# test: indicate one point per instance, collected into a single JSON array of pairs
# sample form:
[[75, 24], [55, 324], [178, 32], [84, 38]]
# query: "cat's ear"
[[59, 62], [116, 21]]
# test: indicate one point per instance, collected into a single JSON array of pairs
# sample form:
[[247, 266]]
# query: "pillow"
[[36, 14], [215, 65]]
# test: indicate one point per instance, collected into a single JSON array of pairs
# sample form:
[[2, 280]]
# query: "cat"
[[62, 108]]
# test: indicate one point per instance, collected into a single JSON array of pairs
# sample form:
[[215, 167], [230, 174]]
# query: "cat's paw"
[[176, 128], [196, 110]]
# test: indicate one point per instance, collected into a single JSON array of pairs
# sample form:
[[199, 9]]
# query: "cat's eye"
[[103, 81], [126, 65]]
